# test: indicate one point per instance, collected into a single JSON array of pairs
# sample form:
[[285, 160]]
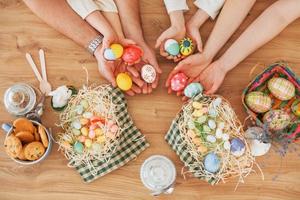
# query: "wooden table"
[[21, 31]]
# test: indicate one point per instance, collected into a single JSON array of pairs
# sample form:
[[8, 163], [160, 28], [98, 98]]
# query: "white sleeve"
[[174, 5], [83, 8], [107, 5], [211, 7]]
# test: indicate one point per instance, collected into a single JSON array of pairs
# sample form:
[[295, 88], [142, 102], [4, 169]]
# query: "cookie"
[[36, 134], [21, 155], [43, 136], [13, 146], [25, 136], [23, 124], [34, 151]]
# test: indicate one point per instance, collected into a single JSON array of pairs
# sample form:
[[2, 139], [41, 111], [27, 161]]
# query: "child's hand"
[[194, 33], [192, 66], [212, 77], [173, 32], [150, 58]]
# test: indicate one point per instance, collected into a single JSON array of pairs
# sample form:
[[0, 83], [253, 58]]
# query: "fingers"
[[126, 42], [138, 81], [155, 83], [164, 36], [133, 71], [171, 74], [145, 88], [162, 51], [130, 93], [152, 60], [136, 89]]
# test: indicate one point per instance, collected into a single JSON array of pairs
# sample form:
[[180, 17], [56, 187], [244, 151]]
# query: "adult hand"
[[212, 77], [106, 68], [191, 66]]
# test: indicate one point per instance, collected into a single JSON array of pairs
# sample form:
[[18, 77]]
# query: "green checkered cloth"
[[131, 143], [174, 139]]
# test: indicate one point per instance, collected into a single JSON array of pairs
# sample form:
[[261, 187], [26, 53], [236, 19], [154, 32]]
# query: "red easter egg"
[[132, 54], [178, 82]]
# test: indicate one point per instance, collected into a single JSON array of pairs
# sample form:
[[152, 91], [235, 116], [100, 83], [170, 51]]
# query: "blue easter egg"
[[78, 147], [212, 162], [237, 147], [109, 54], [172, 47], [193, 89]]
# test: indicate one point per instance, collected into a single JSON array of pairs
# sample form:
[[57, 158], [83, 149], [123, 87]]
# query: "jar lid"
[[158, 173], [19, 99]]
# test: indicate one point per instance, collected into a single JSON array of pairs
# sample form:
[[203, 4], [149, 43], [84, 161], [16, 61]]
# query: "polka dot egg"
[[178, 82], [148, 73]]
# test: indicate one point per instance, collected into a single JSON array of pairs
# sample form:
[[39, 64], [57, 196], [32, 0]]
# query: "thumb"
[[126, 42], [161, 38], [213, 89], [199, 42]]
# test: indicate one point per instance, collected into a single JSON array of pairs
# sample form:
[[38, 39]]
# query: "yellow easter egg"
[[84, 131], [281, 88], [117, 50], [98, 132], [101, 139], [124, 81], [88, 143]]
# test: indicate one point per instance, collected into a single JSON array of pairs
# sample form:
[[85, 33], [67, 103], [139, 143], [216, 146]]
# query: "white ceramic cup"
[[9, 130]]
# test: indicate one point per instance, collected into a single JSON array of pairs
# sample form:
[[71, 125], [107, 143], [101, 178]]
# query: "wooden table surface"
[[21, 31]]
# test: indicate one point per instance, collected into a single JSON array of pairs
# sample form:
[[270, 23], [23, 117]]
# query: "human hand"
[[106, 68], [150, 58], [174, 32], [194, 33], [191, 66], [212, 77]]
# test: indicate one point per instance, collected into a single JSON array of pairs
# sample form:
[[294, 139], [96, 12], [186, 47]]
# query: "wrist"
[[177, 19], [225, 64]]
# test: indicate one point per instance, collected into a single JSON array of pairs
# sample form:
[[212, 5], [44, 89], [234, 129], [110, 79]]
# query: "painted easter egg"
[[212, 163], [114, 52], [281, 88], [237, 147], [124, 81], [258, 102], [132, 54], [171, 47], [211, 138], [178, 82], [186, 46], [78, 147], [212, 124], [296, 107], [276, 119], [148, 73], [193, 89]]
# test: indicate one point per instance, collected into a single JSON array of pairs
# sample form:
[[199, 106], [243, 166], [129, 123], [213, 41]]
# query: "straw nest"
[[198, 147], [100, 103]]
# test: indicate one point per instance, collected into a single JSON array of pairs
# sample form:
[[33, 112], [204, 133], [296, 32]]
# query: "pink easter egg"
[[81, 138], [178, 82], [92, 134], [110, 123], [93, 126], [114, 128]]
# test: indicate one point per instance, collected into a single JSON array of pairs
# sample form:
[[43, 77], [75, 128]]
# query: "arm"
[[131, 22], [270, 23], [60, 16], [230, 18]]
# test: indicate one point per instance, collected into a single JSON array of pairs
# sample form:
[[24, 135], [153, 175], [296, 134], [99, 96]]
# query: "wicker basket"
[[259, 83]]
